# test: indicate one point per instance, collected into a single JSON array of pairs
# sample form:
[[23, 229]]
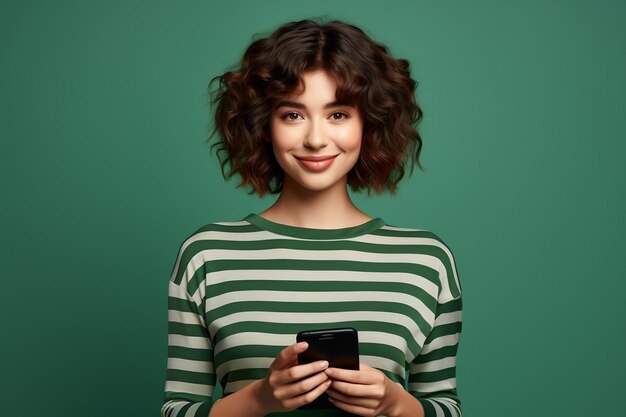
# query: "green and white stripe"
[[240, 292]]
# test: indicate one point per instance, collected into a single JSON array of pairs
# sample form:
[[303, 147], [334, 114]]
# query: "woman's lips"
[[316, 163]]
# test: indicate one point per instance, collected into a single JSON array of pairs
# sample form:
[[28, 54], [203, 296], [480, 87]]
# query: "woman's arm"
[[432, 374], [190, 372]]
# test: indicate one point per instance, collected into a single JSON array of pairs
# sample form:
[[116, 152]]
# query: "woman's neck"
[[327, 209]]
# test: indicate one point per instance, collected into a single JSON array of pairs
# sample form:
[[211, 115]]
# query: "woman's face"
[[316, 139]]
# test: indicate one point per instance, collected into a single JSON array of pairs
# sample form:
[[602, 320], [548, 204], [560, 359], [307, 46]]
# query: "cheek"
[[281, 137], [352, 137], [281, 144]]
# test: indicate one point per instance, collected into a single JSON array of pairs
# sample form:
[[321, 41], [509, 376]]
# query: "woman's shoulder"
[[220, 230], [411, 234], [431, 249], [214, 236], [425, 243]]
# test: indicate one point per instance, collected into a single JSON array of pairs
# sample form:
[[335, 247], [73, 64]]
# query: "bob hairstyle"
[[367, 77]]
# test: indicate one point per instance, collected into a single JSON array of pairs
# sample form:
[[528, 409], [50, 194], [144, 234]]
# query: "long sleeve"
[[190, 371], [432, 375]]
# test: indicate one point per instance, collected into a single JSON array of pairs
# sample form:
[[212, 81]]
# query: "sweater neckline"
[[312, 233]]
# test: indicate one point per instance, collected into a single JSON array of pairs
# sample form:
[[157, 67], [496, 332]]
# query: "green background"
[[104, 172]]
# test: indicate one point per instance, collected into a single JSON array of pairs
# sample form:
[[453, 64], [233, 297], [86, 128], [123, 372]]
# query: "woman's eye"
[[339, 115], [291, 116]]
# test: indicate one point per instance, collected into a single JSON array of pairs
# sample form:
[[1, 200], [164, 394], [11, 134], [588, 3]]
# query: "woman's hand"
[[289, 385], [367, 392]]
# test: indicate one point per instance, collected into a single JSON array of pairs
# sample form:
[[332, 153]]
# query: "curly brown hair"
[[367, 76]]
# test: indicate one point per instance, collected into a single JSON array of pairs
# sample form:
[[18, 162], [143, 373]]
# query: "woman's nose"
[[316, 136]]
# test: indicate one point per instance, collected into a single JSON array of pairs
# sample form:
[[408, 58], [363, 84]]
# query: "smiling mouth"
[[316, 163]]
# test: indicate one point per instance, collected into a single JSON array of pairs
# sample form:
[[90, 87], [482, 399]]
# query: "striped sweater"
[[241, 291]]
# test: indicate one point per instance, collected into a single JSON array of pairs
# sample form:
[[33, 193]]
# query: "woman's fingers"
[[365, 387], [284, 368], [360, 401], [290, 381], [309, 396], [289, 355], [298, 372], [302, 386], [348, 375], [365, 392], [348, 389]]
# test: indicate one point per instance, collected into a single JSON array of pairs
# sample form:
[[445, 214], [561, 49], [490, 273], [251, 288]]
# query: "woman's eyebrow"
[[295, 104], [286, 103]]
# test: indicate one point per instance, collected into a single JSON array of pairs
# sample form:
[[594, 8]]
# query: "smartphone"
[[340, 347]]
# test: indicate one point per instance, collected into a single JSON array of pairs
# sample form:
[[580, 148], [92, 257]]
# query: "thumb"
[[289, 355]]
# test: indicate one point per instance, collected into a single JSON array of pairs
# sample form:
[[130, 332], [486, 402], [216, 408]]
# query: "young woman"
[[312, 109]]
